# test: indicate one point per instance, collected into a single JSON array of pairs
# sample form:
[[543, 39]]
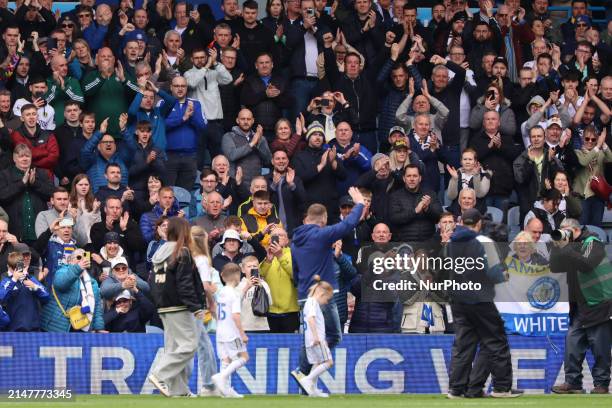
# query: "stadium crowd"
[[115, 119]]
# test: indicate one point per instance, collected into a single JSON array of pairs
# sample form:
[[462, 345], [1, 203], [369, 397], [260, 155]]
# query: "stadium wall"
[[120, 363]]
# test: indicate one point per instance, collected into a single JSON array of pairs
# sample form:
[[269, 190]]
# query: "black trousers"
[[578, 340], [284, 323], [479, 325]]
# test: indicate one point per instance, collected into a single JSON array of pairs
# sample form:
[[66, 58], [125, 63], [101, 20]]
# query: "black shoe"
[[475, 394], [507, 394]]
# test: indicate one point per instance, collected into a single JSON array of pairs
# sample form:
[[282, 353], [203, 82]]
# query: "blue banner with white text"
[[120, 363]]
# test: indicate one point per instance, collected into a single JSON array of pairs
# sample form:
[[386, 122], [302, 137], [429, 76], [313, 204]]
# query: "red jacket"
[[43, 144], [521, 35]]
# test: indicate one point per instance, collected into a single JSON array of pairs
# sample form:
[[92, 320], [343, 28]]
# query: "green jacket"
[[57, 97], [108, 98]]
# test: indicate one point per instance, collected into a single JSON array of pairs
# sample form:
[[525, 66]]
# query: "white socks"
[[315, 372], [227, 371]]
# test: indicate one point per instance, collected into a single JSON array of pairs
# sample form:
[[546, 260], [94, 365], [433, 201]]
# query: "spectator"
[[24, 192], [119, 221], [230, 93], [101, 265], [204, 79], [494, 100], [496, 152], [129, 313], [570, 204], [257, 184], [183, 126], [277, 270], [167, 206], [246, 289], [355, 158], [83, 204], [594, 153], [329, 109], [231, 250], [413, 211], [534, 169], [235, 223], [99, 152], [42, 143], [320, 170], [246, 148], [426, 144], [515, 33], [66, 135], [60, 203], [285, 140], [160, 237], [421, 104], [8, 242], [401, 155], [121, 279], [377, 180], [470, 175], [107, 90], [255, 38], [22, 295], [260, 219], [286, 191], [345, 272], [147, 160], [213, 221], [537, 109], [62, 88], [114, 187], [265, 94], [546, 209], [73, 286], [45, 114]]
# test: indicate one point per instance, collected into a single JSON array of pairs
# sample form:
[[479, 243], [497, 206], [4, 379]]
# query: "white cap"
[[230, 234], [125, 294], [119, 261]]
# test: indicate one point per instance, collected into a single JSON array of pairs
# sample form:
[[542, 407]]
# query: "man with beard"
[[287, 191], [320, 170]]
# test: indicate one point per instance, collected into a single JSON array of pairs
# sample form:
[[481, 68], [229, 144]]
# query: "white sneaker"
[[307, 385], [160, 385], [220, 384], [233, 394], [207, 392], [316, 392]]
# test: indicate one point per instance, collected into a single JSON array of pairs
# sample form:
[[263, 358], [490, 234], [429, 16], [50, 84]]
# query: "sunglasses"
[[67, 25], [581, 25], [590, 139], [120, 268]]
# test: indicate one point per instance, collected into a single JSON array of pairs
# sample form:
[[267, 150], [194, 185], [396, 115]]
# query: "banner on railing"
[[120, 363]]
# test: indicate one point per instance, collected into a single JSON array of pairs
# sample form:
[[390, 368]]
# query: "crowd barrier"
[[369, 364]]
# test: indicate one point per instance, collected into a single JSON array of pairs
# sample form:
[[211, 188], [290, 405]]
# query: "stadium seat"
[[514, 217], [496, 214], [183, 196], [607, 217], [600, 232], [153, 329]]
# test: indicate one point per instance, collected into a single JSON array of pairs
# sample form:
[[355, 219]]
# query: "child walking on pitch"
[[231, 339], [317, 350]]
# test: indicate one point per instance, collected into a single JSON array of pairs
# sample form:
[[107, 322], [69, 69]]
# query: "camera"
[[325, 102], [561, 235], [310, 12]]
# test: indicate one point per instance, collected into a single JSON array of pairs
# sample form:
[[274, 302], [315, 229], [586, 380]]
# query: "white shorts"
[[318, 354], [230, 349]]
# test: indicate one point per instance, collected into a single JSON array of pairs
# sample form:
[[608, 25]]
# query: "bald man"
[[62, 88]]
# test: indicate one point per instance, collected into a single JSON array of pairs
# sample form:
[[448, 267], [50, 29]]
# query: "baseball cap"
[[398, 129], [346, 201], [21, 248], [111, 236], [459, 16], [471, 216], [136, 35], [554, 121], [583, 19], [125, 294], [400, 144], [501, 60], [118, 261]]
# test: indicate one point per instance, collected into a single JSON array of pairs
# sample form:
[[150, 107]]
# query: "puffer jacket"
[[67, 288], [405, 223], [95, 163], [175, 284], [370, 317], [267, 110], [147, 221]]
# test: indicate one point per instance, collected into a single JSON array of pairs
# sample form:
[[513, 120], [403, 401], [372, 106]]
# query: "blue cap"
[[136, 35], [584, 19]]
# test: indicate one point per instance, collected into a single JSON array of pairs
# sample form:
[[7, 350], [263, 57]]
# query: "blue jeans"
[[206, 357], [333, 331], [592, 211], [302, 94]]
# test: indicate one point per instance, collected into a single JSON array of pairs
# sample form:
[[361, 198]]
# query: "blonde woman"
[[206, 355]]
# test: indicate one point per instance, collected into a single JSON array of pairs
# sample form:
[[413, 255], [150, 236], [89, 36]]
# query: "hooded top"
[[310, 251]]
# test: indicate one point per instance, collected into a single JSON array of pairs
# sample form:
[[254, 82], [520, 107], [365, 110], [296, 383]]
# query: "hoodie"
[[148, 220], [550, 221], [311, 255], [175, 284], [469, 244]]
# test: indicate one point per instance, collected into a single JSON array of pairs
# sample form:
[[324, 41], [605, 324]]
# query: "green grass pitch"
[[336, 401]]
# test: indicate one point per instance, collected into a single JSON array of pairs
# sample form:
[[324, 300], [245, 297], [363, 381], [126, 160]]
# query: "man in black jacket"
[[583, 257], [319, 169], [413, 212], [255, 38], [65, 134], [265, 94], [287, 191], [119, 221]]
